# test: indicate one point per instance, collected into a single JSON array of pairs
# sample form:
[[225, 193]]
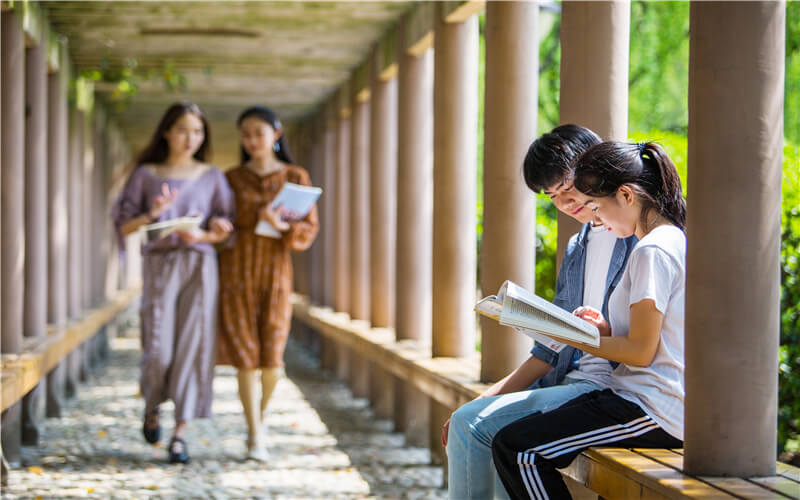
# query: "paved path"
[[323, 444]]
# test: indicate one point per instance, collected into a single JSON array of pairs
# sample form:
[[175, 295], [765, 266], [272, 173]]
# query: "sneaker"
[[257, 451]]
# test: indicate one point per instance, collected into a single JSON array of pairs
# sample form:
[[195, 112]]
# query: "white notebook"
[[296, 201]]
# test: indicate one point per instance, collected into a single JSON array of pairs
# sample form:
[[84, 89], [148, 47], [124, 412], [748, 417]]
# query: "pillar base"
[[33, 410], [72, 379], [412, 413], [56, 390], [381, 391], [11, 434]]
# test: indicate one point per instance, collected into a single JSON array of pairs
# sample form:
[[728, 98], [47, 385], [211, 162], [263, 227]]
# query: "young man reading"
[[592, 266]]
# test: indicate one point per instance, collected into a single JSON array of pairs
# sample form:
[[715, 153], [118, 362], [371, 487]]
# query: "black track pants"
[[528, 451]]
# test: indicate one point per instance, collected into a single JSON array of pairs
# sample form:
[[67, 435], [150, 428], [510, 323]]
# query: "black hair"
[[645, 167], [157, 149], [549, 157], [266, 115]]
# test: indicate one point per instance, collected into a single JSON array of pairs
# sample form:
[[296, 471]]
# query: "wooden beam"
[[417, 28], [21, 372], [458, 12]]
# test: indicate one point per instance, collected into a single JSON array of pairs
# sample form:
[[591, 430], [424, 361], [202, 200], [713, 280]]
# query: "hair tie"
[[642, 146]]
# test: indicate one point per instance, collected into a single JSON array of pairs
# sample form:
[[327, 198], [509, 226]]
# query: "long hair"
[[157, 149], [645, 167], [268, 116], [550, 156]]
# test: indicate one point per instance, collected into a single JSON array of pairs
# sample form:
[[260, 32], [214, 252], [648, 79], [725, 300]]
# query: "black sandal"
[[178, 457], [151, 434]]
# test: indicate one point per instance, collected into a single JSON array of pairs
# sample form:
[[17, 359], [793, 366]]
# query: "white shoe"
[[257, 451]]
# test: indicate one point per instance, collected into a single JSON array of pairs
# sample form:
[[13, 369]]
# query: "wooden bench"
[[19, 373], [611, 473]]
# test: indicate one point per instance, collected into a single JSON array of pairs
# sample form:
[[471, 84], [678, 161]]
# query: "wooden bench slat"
[[789, 472], [733, 485], [780, 484], [603, 468]]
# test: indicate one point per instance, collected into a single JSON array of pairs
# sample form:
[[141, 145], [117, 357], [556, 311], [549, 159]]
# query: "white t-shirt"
[[599, 247], [656, 270]]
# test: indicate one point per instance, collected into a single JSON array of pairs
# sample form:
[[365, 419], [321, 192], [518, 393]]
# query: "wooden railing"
[[21, 372]]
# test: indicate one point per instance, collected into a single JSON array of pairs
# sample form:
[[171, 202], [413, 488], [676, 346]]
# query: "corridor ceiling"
[[287, 55]]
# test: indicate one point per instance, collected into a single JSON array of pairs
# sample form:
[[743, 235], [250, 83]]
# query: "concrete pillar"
[[341, 248], [57, 215], [414, 196], [316, 250], [594, 77], [508, 246], [455, 104], [383, 198], [75, 241], [414, 254], [359, 211], [412, 413], [35, 315], [736, 78], [328, 210], [12, 179]]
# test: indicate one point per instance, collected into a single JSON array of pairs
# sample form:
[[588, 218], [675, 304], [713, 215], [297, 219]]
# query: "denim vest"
[[569, 296]]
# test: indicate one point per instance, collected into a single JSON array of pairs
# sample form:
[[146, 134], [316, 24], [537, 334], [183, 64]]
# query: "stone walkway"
[[323, 444]]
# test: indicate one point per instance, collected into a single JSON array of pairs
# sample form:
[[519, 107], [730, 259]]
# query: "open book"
[[536, 317], [161, 229], [295, 201]]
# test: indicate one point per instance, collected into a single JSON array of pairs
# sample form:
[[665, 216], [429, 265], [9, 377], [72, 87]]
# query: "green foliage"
[[791, 124], [659, 67], [789, 354], [124, 80]]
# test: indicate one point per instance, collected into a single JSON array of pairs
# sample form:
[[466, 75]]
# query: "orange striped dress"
[[255, 273]]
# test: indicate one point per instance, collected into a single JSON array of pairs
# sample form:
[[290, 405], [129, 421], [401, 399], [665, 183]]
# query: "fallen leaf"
[[90, 490], [102, 433], [36, 470], [152, 487]]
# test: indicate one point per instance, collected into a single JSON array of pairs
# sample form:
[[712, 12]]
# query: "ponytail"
[[668, 198], [645, 167]]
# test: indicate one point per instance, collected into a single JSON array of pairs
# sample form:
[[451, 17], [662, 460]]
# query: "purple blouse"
[[208, 195]]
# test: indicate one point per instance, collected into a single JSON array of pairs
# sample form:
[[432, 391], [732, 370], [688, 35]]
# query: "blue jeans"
[[471, 473]]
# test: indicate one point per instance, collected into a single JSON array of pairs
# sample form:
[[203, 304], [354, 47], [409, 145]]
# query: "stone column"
[[35, 315], [383, 198], [414, 196], [359, 211], [317, 152], [75, 242], [455, 104], [57, 211], [508, 246], [328, 209], [415, 227], [341, 249], [736, 78], [341, 271], [13, 211], [594, 77], [87, 269]]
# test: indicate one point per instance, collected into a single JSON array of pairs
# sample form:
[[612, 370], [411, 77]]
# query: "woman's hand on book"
[[162, 201], [595, 317], [273, 216], [219, 228]]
